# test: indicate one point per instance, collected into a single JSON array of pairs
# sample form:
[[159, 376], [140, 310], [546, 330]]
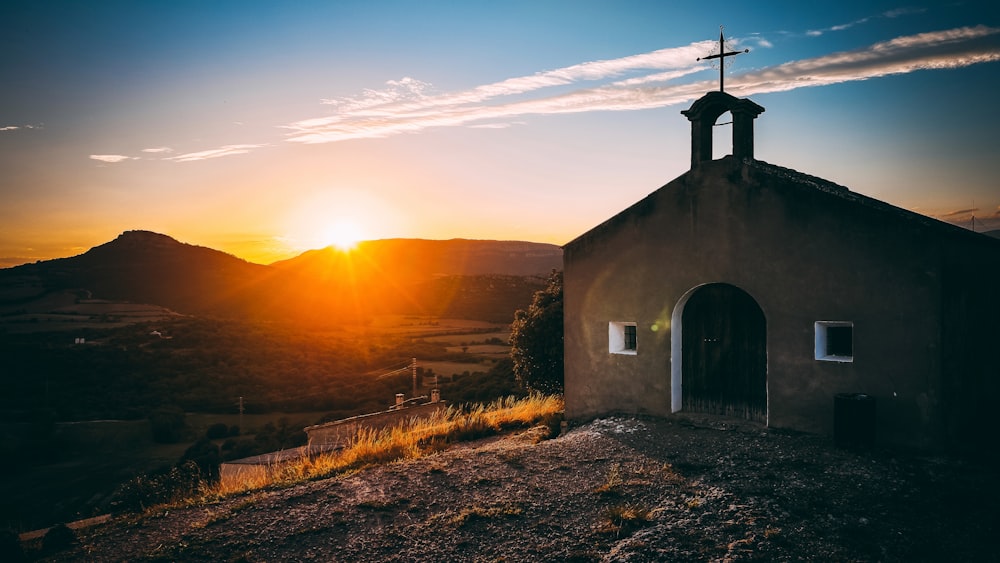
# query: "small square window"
[[622, 338], [629, 337], [835, 341]]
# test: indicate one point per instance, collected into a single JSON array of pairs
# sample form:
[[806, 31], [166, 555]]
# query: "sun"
[[341, 234]]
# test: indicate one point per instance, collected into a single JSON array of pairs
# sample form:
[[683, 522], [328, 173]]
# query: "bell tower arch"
[[706, 111]]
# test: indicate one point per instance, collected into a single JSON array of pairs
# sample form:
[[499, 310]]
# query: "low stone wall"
[[339, 432], [322, 438], [259, 467]]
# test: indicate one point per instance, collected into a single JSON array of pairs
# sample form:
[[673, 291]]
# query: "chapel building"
[[753, 291]]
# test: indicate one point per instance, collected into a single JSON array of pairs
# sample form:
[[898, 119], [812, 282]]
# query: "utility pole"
[[241, 416], [413, 368]]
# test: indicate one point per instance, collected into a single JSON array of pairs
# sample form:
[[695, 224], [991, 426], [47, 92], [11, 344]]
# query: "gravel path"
[[617, 489]]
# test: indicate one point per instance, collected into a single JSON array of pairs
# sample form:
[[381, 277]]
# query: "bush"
[[537, 340], [58, 538], [206, 456], [480, 387], [238, 449], [10, 547], [146, 491]]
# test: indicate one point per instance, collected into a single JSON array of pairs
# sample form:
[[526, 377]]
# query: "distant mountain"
[[995, 233], [424, 259], [460, 278], [398, 275]]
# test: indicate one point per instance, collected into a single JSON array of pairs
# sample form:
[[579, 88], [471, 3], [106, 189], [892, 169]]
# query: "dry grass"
[[410, 439], [476, 513], [613, 482], [623, 519]]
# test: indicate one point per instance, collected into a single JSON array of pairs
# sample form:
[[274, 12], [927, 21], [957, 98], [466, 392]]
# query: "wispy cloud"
[[640, 81], [159, 150], [905, 11], [504, 125], [959, 212], [949, 49], [111, 158], [406, 106], [7, 128], [760, 41], [888, 14], [226, 150]]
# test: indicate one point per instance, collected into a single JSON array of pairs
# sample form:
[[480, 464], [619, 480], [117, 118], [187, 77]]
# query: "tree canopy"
[[537, 339]]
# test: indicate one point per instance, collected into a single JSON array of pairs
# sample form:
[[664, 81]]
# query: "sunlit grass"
[[410, 439], [623, 519]]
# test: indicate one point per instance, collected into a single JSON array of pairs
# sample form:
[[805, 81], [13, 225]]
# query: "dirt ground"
[[616, 489]]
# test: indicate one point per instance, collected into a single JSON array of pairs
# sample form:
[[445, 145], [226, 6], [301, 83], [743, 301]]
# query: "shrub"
[[537, 340], [10, 547], [58, 538], [206, 456], [146, 491]]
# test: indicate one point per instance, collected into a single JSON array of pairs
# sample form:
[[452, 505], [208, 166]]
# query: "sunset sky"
[[267, 128]]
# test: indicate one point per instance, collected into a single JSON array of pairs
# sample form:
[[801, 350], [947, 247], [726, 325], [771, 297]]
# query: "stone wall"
[[339, 432]]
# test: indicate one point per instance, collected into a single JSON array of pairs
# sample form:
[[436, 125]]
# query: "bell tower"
[[706, 111]]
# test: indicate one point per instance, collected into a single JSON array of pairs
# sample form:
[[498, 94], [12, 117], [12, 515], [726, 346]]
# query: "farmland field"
[[69, 466]]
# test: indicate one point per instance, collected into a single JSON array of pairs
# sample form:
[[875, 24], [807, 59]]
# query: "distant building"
[[745, 289]]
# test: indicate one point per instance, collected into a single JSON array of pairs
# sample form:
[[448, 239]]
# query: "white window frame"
[[616, 338], [820, 353]]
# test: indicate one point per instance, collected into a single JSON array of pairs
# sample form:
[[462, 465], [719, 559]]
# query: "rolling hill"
[[463, 278]]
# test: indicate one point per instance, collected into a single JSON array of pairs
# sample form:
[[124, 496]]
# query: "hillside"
[[320, 286], [679, 489], [146, 267], [422, 259]]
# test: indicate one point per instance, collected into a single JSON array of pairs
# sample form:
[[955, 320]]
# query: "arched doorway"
[[723, 353]]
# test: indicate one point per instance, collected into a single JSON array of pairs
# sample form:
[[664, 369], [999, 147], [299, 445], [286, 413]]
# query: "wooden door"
[[724, 339]]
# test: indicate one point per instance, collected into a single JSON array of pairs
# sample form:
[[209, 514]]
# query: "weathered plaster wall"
[[970, 370], [804, 254]]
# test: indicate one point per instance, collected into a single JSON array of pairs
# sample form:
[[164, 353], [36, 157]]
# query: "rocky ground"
[[617, 489]]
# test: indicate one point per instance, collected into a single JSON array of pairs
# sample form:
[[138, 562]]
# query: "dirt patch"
[[617, 489]]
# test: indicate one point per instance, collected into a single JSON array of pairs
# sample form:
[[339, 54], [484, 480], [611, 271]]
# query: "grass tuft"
[[625, 518], [478, 513], [613, 482], [410, 439]]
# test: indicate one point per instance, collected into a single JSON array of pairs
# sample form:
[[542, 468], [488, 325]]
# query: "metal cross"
[[722, 54]]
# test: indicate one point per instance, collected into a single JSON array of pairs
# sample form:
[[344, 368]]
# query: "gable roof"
[[763, 172]]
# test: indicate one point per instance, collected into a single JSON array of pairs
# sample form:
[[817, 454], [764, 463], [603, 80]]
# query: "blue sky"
[[266, 128]]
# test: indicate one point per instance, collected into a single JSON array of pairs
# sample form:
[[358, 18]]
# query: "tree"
[[207, 456], [537, 339]]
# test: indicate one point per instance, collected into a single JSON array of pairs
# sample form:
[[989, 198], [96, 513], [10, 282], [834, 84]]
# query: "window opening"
[[834, 341], [629, 337], [622, 338]]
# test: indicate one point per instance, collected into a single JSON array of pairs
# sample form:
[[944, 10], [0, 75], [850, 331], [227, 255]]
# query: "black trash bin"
[[854, 420]]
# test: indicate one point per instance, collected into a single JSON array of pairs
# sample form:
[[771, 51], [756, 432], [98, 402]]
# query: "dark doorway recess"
[[724, 338]]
